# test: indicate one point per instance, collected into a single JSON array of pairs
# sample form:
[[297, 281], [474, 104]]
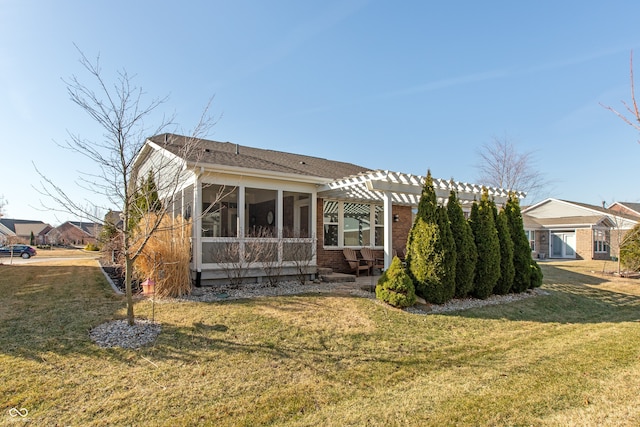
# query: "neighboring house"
[[5, 234], [22, 229], [74, 233], [564, 229], [240, 196], [113, 218], [628, 208]]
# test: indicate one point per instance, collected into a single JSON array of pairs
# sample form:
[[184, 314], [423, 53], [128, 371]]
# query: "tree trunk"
[[128, 267]]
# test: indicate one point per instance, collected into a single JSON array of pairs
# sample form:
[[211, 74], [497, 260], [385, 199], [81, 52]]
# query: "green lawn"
[[568, 358]]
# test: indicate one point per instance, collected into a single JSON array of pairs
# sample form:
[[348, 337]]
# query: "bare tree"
[[503, 166], [3, 203], [121, 112], [632, 116]]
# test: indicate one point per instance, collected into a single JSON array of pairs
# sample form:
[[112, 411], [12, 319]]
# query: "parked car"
[[24, 251]]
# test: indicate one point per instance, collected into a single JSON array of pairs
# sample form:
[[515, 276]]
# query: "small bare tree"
[[120, 111], [503, 166], [3, 204], [632, 116], [302, 252]]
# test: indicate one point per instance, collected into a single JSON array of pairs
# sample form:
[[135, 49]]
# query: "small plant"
[[91, 247], [536, 275], [395, 287]]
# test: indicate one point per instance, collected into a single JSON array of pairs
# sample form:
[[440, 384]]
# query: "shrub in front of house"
[[448, 244], [426, 263], [395, 287], [466, 254], [91, 247], [486, 238], [507, 271], [630, 249], [536, 275], [521, 249]]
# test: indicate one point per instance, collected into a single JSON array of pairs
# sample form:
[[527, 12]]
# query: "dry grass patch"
[[569, 358]]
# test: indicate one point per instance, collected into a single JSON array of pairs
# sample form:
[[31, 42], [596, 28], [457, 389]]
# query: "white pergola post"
[[388, 224]]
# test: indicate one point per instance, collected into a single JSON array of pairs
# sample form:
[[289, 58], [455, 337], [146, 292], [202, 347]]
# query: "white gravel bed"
[[255, 290], [118, 333], [467, 303]]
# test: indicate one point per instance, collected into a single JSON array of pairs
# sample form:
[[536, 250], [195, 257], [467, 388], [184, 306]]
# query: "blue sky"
[[397, 85]]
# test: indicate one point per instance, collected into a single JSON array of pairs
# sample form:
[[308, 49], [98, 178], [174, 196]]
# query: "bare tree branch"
[[634, 119]]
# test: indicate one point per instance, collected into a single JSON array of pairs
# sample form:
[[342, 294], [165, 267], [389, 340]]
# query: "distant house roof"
[[91, 228], [558, 213], [113, 218], [239, 156], [24, 227], [626, 207], [88, 228]]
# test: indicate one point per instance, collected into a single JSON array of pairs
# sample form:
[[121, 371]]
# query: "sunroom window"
[[219, 211], [260, 212], [296, 214]]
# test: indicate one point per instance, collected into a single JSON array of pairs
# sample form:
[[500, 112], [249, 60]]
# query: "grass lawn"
[[571, 357]]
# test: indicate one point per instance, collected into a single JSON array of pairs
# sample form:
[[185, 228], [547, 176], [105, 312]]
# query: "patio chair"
[[356, 264], [374, 262]]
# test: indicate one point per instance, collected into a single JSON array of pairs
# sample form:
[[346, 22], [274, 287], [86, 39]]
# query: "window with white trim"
[[531, 236], [350, 224], [600, 241]]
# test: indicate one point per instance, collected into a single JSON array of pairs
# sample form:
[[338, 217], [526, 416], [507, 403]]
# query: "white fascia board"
[[257, 173]]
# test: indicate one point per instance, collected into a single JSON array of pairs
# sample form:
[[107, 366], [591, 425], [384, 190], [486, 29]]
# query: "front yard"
[[571, 357]]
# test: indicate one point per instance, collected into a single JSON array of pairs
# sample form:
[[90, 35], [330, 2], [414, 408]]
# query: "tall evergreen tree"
[[466, 253], [425, 253], [449, 260], [507, 270], [488, 246], [521, 249], [146, 200]]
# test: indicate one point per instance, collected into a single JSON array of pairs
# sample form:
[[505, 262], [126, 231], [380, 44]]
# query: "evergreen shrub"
[[395, 287], [466, 254], [630, 249], [521, 249], [507, 270], [536, 275], [488, 246]]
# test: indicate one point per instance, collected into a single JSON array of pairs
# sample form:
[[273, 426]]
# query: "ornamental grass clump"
[[395, 287], [165, 258]]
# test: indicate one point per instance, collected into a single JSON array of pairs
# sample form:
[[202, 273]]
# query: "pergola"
[[395, 188]]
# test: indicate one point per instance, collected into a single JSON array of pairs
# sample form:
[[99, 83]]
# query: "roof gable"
[[628, 208]]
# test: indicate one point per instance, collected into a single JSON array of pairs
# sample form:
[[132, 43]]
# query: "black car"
[[24, 251]]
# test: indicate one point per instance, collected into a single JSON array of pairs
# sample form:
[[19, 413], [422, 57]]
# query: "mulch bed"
[[116, 274]]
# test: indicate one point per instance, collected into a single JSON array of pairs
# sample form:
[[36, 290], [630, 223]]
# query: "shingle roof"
[[88, 227], [22, 225], [632, 206], [604, 211], [229, 154]]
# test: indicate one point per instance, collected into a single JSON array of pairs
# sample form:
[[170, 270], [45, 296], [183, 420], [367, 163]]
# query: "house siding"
[[584, 243]]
